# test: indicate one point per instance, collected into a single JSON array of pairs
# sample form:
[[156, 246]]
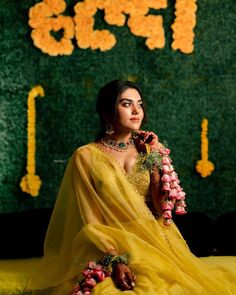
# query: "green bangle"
[[120, 259], [106, 260], [109, 260]]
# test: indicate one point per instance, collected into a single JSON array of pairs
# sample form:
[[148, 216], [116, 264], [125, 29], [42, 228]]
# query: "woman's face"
[[129, 111]]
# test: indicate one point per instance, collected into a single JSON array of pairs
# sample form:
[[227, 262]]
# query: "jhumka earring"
[[109, 129]]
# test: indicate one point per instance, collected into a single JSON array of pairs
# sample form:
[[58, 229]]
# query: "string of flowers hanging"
[[153, 154], [185, 21], [204, 167], [31, 183]]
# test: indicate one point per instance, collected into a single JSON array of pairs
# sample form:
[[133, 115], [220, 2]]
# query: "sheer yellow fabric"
[[99, 207]]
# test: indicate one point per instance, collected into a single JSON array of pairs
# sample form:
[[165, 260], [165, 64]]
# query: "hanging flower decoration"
[[204, 166], [45, 18], [149, 26], [155, 154], [183, 25], [85, 34], [31, 183]]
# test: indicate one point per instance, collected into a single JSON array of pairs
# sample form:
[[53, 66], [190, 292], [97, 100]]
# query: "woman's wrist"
[[110, 259], [112, 251], [120, 259]]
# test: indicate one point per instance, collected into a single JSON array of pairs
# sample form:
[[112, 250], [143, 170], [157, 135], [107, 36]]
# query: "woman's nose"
[[135, 109]]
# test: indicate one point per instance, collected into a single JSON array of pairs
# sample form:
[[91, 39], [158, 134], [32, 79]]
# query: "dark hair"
[[106, 102]]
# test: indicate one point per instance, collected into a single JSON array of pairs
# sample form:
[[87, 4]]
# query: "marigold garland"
[[150, 26], [44, 19], [31, 183], [183, 25], [85, 34], [204, 166]]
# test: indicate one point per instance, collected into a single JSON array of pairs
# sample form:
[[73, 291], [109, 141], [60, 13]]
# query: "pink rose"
[[167, 214], [180, 210], [78, 292], [87, 272], [173, 193], [90, 282], [164, 152], [166, 186], [166, 161], [167, 221], [167, 206], [92, 264], [179, 188], [98, 275], [174, 184], [171, 168], [165, 178], [165, 168], [181, 195], [76, 287], [181, 203], [173, 177], [174, 174]]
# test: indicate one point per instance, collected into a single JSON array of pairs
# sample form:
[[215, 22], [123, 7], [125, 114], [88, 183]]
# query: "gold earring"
[[109, 129]]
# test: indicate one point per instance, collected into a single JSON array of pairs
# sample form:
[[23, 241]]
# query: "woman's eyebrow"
[[129, 100]]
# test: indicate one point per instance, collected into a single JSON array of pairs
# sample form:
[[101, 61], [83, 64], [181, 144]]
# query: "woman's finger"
[[130, 279], [125, 286]]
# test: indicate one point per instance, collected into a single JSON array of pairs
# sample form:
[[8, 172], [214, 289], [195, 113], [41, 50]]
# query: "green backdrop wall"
[[180, 90]]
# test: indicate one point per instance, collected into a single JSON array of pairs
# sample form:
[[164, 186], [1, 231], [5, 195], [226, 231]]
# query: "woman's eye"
[[126, 104]]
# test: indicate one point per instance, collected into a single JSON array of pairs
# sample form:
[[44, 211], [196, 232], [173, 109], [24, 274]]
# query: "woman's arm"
[[91, 214]]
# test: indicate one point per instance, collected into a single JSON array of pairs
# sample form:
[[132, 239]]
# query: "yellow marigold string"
[[185, 21], [44, 18], [204, 166], [30, 183]]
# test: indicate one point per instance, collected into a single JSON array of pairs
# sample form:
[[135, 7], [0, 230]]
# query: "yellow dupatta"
[[98, 209]]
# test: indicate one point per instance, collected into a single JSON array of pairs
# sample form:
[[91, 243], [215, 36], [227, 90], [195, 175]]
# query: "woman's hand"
[[146, 137], [123, 277]]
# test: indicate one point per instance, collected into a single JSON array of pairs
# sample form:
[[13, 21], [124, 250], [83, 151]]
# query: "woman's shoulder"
[[89, 150], [85, 149]]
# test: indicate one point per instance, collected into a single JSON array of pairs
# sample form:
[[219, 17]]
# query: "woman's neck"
[[121, 136]]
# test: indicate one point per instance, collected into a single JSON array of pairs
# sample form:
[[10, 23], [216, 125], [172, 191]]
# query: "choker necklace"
[[118, 145]]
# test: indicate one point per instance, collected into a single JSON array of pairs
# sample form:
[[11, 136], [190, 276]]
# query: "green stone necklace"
[[118, 145]]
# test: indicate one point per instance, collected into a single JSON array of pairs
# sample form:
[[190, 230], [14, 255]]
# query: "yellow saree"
[[100, 207]]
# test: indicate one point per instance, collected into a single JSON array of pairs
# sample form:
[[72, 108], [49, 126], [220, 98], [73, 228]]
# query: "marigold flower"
[[204, 166], [183, 25], [44, 19], [31, 183]]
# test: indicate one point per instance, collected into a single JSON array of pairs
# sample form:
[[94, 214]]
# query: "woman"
[[116, 197]]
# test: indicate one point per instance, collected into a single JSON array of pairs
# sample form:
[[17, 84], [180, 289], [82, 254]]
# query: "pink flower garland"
[[174, 195], [93, 274]]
